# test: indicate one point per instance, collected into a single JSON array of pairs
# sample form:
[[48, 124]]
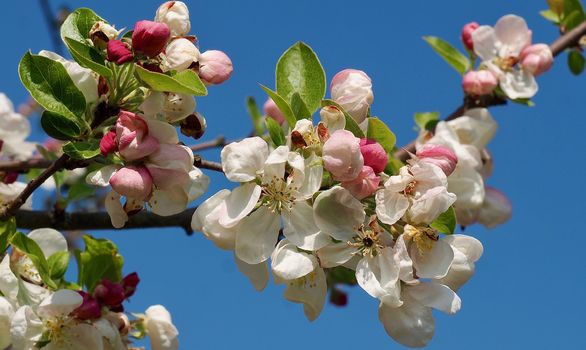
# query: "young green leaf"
[[299, 70], [351, 124], [186, 82], [380, 132], [7, 230], [60, 127], [255, 116], [100, 260], [58, 263], [450, 54], [78, 24], [88, 57], [80, 190], [82, 150], [576, 62], [299, 108], [283, 106], [51, 86], [275, 131], [34, 252], [573, 14], [425, 120], [550, 16], [446, 222]]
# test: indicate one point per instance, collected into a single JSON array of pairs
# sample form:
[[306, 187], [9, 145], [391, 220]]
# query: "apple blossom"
[[215, 67], [467, 250], [118, 52], [180, 54], [466, 35], [500, 48], [439, 155], [352, 89], [496, 208], [364, 185], [150, 38], [14, 129], [342, 155], [101, 33], [537, 59], [176, 15], [374, 155], [160, 329], [6, 314], [478, 83], [271, 110], [333, 118]]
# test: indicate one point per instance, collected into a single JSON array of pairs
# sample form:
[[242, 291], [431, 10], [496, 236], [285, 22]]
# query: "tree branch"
[[566, 41], [25, 165], [219, 141]]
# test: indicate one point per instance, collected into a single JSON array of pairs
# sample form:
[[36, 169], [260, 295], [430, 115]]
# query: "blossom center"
[[410, 188], [506, 64], [367, 242], [278, 195], [423, 237]]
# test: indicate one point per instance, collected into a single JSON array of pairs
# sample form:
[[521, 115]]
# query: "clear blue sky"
[[529, 289]]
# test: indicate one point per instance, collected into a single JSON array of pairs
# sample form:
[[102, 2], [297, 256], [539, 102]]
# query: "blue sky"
[[529, 288]]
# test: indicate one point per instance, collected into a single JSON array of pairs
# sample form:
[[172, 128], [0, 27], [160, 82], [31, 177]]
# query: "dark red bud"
[[10, 177], [150, 38], [108, 143], [129, 284], [338, 297], [118, 52], [109, 293], [89, 309]]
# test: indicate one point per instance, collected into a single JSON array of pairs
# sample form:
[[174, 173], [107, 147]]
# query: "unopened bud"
[[338, 297], [109, 293], [352, 89], [536, 59], [150, 38], [177, 106], [438, 155], [333, 118], [496, 208], [9, 177], [118, 52], [479, 83], [194, 126], [271, 110], [364, 185], [374, 155], [215, 67], [108, 143], [89, 309], [101, 33], [129, 283], [176, 15], [466, 36], [342, 156], [180, 54]]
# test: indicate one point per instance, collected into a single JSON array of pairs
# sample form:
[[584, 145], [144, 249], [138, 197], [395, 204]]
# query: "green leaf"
[[51, 86], [426, 120], [255, 116], [34, 252], [550, 16], [450, 54], [275, 131], [186, 82], [299, 71], [351, 124], [99, 260], [380, 132], [7, 230], [78, 24], [58, 263], [283, 106], [299, 108], [393, 166], [576, 62], [82, 149], [80, 190], [446, 222], [88, 57], [524, 101], [59, 127], [573, 14]]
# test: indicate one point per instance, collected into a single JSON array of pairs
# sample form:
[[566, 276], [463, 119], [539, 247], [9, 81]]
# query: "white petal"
[[161, 331], [240, 203], [101, 177], [199, 184], [403, 260], [26, 328], [118, 216], [518, 84], [435, 295], [168, 202], [379, 277], [338, 213], [8, 281], [476, 128], [257, 236], [288, 263], [313, 176], [411, 324], [242, 161], [336, 254], [311, 290], [469, 246], [430, 205], [468, 186], [434, 263], [6, 314], [513, 34], [14, 127], [164, 132], [460, 271], [257, 274], [485, 42], [61, 303], [274, 166], [301, 230], [49, 240], [80, 336], [204, 209], [390, 205], [206, 219]]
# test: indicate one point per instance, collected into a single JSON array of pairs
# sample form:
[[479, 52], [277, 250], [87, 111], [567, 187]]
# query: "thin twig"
[[24, 165], [219, 141]]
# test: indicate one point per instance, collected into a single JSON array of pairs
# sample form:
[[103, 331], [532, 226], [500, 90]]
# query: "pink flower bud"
[[89, 309], [109, 294], [342, 157], [364, 185], [133, 182], [496, 208], [374, 155], [352, 89], [108, 143], [271, 110], [537, 59], [132, 136], [438, 155], [150, 38], [215, 67], [478, 83], [118, 52], [129, 284], [10, 177], [467, 31]]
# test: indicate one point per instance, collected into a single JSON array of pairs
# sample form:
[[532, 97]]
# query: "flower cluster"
[[35, 315], [507, 58], [325, 200]]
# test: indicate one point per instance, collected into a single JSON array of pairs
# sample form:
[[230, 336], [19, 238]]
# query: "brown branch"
[[24, 165], [206, 164], [564, 42], [219, 141]]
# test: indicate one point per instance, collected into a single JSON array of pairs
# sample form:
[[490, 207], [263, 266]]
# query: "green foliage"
[[351, 124], [283, 106], [550, 16], [299, 71], [255, 116], [576, 62], [82, 149], [446, 222], [50, 85], [299, 108], [455, 58], [426, 120], [80, 190], [275, 132], [186, 82], [7, 230], [78, 24], [380, 132], [60, 127], [31, 249], [58, 263], [87, 56], [573, 14], [99, 260], [393, 166]]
